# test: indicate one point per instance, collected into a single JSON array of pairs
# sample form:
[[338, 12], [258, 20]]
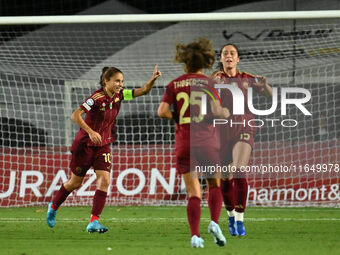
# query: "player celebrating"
[[184, 94], [236, 140], [91, 146]]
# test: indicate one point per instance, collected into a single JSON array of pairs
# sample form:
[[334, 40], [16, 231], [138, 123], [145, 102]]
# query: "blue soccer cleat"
[[95, 226], [51, 216], [231, 226], [240, 229], [197, 242], [215, 230]]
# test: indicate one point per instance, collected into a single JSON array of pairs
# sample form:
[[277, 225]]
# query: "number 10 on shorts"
[[107, 157]]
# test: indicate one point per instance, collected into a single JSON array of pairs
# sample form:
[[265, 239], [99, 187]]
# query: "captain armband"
[[127, 93]]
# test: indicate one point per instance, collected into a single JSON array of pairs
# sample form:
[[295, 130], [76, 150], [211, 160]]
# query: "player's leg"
[[215, 205], [227, 188], [241, 155], [73, 183], [80, 163], [103, 182], [102, 166], [193, 189], [214, 198]]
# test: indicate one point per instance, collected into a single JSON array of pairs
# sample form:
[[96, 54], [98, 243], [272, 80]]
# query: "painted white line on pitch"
[[295, 209], [30, 220], [287, 209]]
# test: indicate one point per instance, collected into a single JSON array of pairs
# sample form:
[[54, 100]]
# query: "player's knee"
[[194, 193], [72, 185], [213, 183], [103, 183]]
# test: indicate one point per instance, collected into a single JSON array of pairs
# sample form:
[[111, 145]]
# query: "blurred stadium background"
[[47, 70]]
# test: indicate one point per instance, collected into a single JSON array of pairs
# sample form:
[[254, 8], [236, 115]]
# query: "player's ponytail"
[[107, 73]]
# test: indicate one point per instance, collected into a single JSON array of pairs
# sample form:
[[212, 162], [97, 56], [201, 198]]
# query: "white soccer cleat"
[[216, 232], [197, 242]]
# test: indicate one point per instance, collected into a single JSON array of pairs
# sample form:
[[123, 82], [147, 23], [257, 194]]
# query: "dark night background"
[[66, 7]]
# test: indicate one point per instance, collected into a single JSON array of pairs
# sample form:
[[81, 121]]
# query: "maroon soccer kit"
[[191, 137], [230, 135], [101, 113]]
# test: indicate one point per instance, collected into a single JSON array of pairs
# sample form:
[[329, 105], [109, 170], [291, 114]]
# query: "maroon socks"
[[60, 197], [240, 194], [194, 215], [98, 204], [215, 203]]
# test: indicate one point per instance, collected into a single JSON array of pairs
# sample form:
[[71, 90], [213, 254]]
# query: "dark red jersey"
[[238, 132], [242, 80], [101, 113], [185, 94]]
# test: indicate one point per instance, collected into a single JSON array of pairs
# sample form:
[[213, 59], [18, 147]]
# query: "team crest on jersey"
[[103, 107], [116, 100], [245, 85]]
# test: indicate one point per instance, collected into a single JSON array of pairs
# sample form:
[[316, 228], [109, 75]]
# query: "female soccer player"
[[184, 93], [236, 140], [91, 146]]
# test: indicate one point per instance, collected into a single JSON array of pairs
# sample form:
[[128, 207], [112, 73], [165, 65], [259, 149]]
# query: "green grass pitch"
[[164, 230]]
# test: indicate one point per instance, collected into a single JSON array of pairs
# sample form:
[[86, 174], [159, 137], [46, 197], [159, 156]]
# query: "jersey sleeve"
[[88, 104], [168, 96]]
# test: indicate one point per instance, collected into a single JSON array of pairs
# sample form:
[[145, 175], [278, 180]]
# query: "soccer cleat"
[[95, 226], [215, 231], [232, 227], [197, 242], [240, 229], [51, 216]]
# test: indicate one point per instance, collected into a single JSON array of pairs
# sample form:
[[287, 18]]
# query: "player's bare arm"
[[164, 111], [76, 117], [218, 111], [266, 89], [148, 86]]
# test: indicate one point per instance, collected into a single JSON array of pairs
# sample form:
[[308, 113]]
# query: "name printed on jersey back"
[[191, 82]]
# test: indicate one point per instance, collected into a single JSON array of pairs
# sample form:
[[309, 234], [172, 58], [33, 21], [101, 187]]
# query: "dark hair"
[[107, 73], [220, 66], [196, 55]]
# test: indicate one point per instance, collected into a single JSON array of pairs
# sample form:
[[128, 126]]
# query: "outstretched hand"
[[156, 73], [260, 81]]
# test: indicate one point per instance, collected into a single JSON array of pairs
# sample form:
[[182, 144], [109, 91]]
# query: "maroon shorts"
[[232, 135], [190, 157], [83, 157], [183, 159]]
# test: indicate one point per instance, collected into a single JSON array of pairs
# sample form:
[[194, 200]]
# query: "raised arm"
[[266, 89], [148, 86], [76, 117]]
